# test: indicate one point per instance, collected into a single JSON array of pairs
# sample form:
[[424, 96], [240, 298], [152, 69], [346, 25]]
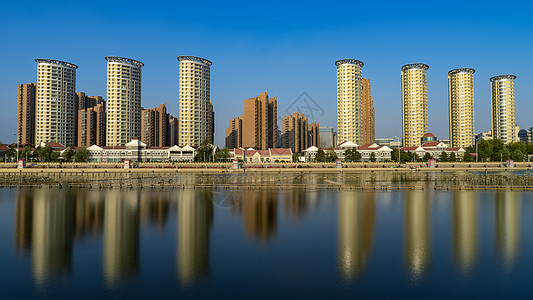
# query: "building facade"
[[259, 122], [27, 97], [174, 131], [56, 104], [369, 129], [503, 108], [123, 100], [155, 126], [91, 125], [326, 137], [414, 103], [313, 134], [524, 135], [349, 100], [295, 132], [234, 133], [461, 107], [195, 107]]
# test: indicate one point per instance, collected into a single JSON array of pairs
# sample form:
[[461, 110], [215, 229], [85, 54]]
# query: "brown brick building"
[[234, 133], [90, 120], [27, 96], [297, 134], [155, 126], [257, 127], [369, 131], [173, 127]]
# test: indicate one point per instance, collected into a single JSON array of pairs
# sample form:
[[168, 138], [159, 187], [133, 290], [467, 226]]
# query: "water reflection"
[[155, 208], [417, 231], [24, 220], [52, 233], [356, 218], [121, 235], [507, 215], [260, 211], [89, 213], [195, 217], [465, 228]]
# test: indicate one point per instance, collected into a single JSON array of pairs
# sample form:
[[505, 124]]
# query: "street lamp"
[[17, 146]]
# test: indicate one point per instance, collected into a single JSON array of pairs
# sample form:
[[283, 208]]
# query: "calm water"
[[214, 243]]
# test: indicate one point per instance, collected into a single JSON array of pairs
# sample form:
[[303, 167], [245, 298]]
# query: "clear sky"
[[284, 47]]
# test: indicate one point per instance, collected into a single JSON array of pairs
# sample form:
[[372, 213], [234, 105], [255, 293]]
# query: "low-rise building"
[[435, 149], [271, 155], [136, 150], [524, 135]]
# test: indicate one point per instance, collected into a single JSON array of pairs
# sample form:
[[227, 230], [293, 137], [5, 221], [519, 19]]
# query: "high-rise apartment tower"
[[461, 106], [349, 100], [196, 115], [503, 108], [123, 100], [27, 96], [56, 102], [369, 129], [414, 103]]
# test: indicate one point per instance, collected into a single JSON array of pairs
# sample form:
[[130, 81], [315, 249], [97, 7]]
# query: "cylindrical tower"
[[56, 102], [503, 110], [123, 100], [414, 103], [195, 108], [349, 101], [461, 106]]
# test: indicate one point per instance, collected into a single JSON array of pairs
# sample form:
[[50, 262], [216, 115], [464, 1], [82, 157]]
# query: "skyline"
[[293, 55]]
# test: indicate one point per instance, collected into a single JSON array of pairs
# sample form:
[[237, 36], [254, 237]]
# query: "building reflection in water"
[[260, 210], [155, 208], [295, 203], [465, 229], [417, 231], [356, 219], [52, 233], [121, 235], [24, 220], [195, 218], [89, 213], [507, 215]]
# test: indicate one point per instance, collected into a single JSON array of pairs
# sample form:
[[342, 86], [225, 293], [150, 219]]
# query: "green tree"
[[443, 156], [427, 156], [44, 153], [498, 150], [453, 158], [331, 156], [406, 155], [11, 153], [352, 155], [69, 153], [81, 155], [295, 157], [26, 153], [54, 156], [320, 155], [372, 156], [517, 146], [502, 155], [222, 154], [529, 148], [484, 150], [517, 155], [394, 154], [204, 153]]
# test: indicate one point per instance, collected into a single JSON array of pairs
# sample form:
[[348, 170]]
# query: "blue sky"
[[285, 48]]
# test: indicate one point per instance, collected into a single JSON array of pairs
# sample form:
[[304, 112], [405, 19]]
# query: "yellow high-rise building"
[[461, 106], [414, 103], [56, 102], [349, 101], [195, 108], [123, 100], [503, 109]]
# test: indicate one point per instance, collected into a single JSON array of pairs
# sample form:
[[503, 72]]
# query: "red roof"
[[54, 145], [428, 135], [238, 151], [409, 148], [157, 148], [113, 147], [3, 147], [430, 144], [453, 149], [279, 151]]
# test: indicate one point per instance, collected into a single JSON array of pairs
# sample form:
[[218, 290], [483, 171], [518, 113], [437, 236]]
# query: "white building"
[[136, 150]]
